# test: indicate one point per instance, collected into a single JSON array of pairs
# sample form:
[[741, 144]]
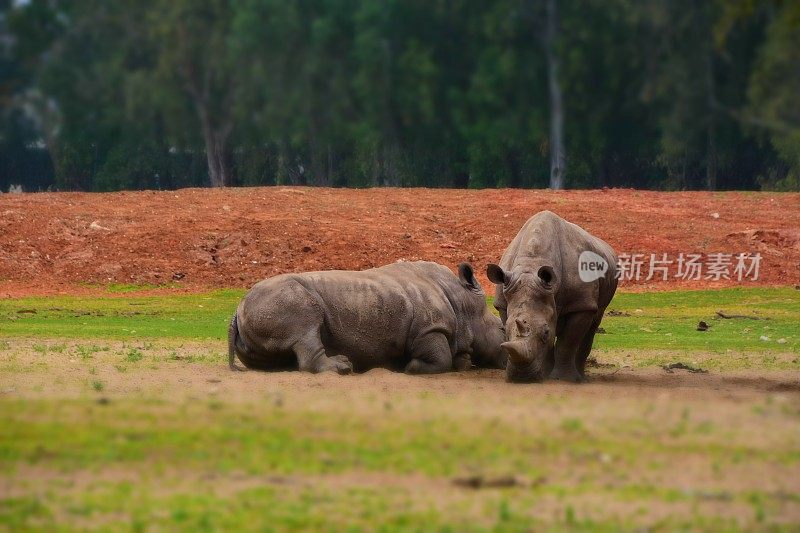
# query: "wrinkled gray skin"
[[412, 316], [550, 314]]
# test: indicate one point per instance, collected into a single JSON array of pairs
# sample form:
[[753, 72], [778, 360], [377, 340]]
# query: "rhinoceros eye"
[[545, 333]]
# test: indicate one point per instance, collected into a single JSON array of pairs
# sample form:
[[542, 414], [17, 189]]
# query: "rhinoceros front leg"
[[311, 357], [586, 348], [430, 354], [568, 344], [462, 361]]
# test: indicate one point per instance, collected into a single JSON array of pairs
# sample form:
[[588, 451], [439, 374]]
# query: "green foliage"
[[773, 92], [106, 95]]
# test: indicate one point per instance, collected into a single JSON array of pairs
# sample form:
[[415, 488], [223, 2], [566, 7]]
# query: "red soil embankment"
[[203, 238]]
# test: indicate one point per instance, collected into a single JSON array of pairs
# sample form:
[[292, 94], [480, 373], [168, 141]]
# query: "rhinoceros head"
[[487, 329], [530, 319]]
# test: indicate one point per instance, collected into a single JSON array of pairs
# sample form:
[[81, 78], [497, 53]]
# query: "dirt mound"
[[769, 241], [200, 238]]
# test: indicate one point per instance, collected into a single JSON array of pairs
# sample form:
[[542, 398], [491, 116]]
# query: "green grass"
[[134, 355], [668, 321], [195, 316], [653, 321], [119, 288], [73, 435]]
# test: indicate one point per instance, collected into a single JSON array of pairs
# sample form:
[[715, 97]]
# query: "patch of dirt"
[[769, 240], [203, 238], [181, 369]]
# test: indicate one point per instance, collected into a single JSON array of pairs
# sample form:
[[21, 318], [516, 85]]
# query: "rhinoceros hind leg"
[[311, 357], [430, 354]]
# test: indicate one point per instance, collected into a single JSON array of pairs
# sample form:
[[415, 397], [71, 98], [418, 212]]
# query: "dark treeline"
[[109, 94]]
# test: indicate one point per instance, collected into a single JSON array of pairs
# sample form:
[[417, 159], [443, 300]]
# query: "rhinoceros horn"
[[517, 351]]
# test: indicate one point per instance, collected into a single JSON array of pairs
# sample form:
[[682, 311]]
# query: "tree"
[[194, 38], [30, 116], [558, 162], [772, 109], [502, 114], [688, 74], [80, 60], [638, 93]]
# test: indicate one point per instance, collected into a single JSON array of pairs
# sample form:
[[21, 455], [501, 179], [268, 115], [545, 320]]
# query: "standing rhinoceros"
[[552, 285], [415, 316]]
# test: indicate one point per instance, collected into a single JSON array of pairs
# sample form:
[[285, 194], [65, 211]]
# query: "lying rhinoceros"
[[552, 285], [415, 316]]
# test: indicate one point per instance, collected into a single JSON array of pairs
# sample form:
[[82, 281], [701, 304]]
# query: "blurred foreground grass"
[[407, 463]]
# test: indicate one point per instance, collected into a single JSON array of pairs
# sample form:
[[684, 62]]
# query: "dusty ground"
[[200, 238], [181, 370]]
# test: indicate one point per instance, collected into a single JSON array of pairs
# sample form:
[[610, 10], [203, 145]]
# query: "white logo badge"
[[591, 266]]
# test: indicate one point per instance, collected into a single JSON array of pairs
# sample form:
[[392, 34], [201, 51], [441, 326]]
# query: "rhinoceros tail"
[[233, 336]]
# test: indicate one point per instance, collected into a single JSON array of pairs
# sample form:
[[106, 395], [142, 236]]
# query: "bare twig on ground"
[[751, 317], [683, 366]]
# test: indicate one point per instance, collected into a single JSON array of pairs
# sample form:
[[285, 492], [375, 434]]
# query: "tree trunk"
[[218, 153], [216, 125], [316, 151], [711, 155], [557, 155], [601, 179]]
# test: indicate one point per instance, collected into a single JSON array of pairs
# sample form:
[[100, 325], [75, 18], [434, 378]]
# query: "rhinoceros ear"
[[496, 274], [547, 275], [467, 277]]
